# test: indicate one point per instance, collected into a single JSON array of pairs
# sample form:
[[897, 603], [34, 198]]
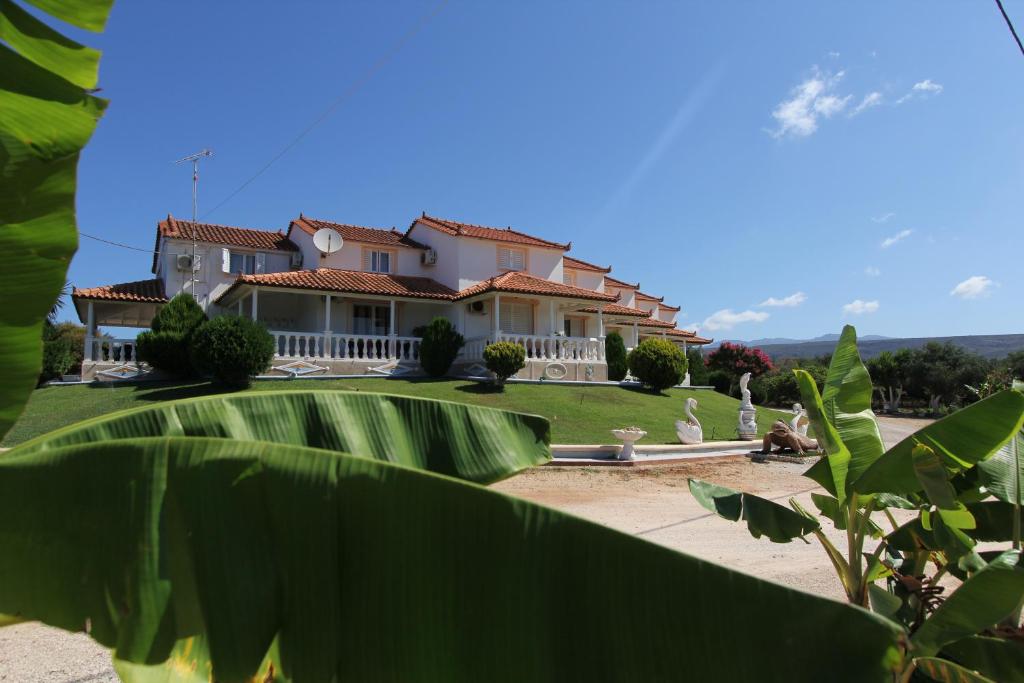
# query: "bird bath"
[[629, 436]]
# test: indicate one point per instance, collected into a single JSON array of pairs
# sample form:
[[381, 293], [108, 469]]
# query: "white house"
[[357, 310]]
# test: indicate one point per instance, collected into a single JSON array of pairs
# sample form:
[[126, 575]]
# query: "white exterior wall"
[[350, 256], [588, 279], [666, 315], [627, 296]]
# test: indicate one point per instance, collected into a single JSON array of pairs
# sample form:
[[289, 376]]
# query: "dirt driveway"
[[652, 502]]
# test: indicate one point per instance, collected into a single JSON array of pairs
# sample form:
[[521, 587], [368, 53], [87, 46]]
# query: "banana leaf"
[[962, 440], [235, 555], [944, 671], [469, 442], [987, 597], [763, 517], [846, 397], [994, 520], [999, 659], [839, 465], [1002, 474], [829, 507], [47, 118]]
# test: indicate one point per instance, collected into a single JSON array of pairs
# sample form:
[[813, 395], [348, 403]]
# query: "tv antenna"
[[194, 158]]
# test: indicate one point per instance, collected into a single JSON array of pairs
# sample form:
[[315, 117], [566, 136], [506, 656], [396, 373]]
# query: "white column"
[[551, 316], [496, 317], [684, 347], [663, 334], [393, 342], [327, 327], [600, 322], [636, 335], [90, 331], [240, 305], [255, 300]]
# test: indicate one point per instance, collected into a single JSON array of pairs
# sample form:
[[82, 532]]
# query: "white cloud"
[[833, 54], [791, 300], [922, 89], [872, 99], [973, 287], [898, 237], [883, 218], [813, 99], [859, 307], [726, 319], [872, 271]]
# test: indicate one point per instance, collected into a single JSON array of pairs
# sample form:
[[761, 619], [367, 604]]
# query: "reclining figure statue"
[[783, 436]]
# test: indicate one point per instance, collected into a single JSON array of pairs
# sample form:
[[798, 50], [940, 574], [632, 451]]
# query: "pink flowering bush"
[[736, 359]]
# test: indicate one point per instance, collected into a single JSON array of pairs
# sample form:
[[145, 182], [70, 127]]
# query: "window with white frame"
[[377, 261], [367, 319], [516, 318], [242, 263], [510, 258]]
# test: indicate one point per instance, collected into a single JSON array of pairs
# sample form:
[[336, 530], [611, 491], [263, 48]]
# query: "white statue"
[[800, 420], [748, 414], [689, 430]]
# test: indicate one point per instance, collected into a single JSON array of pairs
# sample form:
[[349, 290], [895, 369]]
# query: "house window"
[[575, 327], [569, 277], [511, 259], [241, 263], [516, 318], [368, 319], [377, 261]]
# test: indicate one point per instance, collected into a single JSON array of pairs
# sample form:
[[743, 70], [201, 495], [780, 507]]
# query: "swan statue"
[[800, 420], [689, 430]]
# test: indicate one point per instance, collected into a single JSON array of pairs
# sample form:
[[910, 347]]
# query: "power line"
[[116, 244], [1009, 24], [346, 94]]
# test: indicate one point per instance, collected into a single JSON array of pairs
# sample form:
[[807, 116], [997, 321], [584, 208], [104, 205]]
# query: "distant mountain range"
[[987, 345]]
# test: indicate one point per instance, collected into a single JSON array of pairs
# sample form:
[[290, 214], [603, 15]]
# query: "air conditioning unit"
[[184, 262], [477, 307], [296, 260], [429, 257]]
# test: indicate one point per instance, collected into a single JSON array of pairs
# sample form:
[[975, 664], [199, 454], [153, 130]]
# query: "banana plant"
[[960, 474]]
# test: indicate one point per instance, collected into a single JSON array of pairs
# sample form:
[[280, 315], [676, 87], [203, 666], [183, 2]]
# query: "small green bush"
[[615, 356], [166, 345], [504, 359], [58, 358], [698, 371], [657, 363], [232, 349], [439, 347], [720, 380]]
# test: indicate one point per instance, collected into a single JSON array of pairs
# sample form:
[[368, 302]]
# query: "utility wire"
[[116, 244], [1009, 25], [353, 88]]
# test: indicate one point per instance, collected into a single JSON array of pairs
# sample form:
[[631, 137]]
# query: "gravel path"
[[652, 502]]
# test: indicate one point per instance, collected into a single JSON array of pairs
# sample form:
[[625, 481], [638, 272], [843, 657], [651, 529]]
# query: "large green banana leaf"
[[763, 517], [469, 442], [46, 117], [846, 397], [999, 659], [363, 570], [962, 440], [1003, 473], [839, 465]]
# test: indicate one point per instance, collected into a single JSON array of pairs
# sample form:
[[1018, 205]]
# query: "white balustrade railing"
[[344, 346], [539, 347], [108, 350]]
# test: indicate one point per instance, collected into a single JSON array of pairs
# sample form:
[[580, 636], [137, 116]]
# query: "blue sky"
[[858, 162]]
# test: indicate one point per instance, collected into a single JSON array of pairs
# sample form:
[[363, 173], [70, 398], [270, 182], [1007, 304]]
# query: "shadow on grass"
[[480, 388], [171, 391], [645, 391]]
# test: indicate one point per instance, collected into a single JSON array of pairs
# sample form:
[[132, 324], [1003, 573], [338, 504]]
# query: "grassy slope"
[[578, 414]]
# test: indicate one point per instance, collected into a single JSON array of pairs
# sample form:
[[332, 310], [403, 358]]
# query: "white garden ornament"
[[800, 421], [689, 430], [629, 436], [748, 414]]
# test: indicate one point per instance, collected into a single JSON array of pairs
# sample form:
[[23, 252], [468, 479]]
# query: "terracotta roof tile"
[[648, 297], [669, 308], [351, 281], [250, 238], [356, 233], [486, 233], [576, 264], [687, 335], [145, 291], [521, 283], [651, 322], [619, 283], [616, 309]]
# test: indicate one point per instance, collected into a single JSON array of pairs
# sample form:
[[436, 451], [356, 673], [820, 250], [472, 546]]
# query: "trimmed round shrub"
[[615, 356], [504, 359], [166, 345], [439, 346], [232, 350], [657, 363], [720, 380]]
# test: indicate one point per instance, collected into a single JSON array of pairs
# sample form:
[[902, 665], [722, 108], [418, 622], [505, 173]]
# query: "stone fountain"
[[629, 436]]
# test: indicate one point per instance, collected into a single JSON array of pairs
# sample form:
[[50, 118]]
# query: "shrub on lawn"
[[720, 380], [232, 349], [615, 356], [657, 363], [698, 371], [504, 359], [58, 354], [439, 347], [166, 345]]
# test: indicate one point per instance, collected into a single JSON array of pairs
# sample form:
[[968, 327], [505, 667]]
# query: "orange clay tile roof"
[[616, 309], [669, 308], [686, 335], [521, 283], [648, 297], [353, 281], [143, 291], [484, 233], [356, 233], [576, 264], [266, 240], [651, 322], [619, 283]]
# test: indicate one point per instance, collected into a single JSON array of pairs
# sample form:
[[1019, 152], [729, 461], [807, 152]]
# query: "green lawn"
[[578, 414]]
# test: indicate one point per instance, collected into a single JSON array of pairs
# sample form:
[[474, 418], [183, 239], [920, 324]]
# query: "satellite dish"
[[327, 240]]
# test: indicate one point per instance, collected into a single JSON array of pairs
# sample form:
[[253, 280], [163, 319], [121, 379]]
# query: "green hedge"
[[615, 356], [232, 349], [439, 346], [166, 346], [658, 364]]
